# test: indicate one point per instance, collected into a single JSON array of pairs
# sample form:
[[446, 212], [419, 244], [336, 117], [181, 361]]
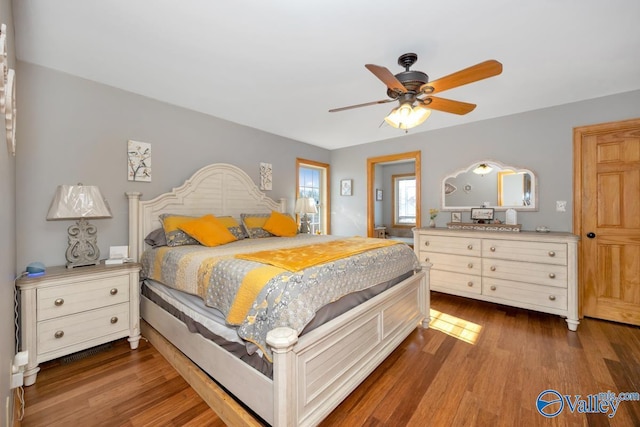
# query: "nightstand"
[[68, 310]]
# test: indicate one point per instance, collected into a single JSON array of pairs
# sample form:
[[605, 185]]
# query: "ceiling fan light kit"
[[413, 91]]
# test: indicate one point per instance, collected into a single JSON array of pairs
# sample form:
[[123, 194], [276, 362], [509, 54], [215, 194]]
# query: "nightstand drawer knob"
[[426, 259], [426, 243], [552, 275], [59, 334], [470, 265], [492, 248], [469, 247], [114, 319], [59, 302], [552, 297], [492, 268], [113, 291], [493, 287], [470, 284], [552, 254]]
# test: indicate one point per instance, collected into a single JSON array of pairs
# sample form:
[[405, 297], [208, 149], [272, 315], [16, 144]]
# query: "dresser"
[[68, 310], [536, 271]]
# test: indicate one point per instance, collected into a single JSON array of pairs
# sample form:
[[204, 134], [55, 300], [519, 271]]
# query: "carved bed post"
[[134, 206], [282, 341]]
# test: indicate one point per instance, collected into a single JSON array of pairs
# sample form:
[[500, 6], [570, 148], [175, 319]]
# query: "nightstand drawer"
[[77, 328], [77, 297]]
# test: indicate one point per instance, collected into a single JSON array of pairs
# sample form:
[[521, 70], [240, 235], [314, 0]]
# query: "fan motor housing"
[[411, 79]]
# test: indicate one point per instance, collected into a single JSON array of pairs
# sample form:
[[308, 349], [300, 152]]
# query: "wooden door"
[[607, 219]]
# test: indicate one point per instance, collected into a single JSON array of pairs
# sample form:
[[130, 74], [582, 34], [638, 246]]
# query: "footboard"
[[313, 374]]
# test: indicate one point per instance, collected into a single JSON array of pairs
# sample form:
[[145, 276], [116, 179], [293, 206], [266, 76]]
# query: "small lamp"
[[80, 202], [305, 206], [482, 169]]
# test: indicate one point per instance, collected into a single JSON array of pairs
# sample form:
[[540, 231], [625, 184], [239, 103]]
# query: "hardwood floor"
[[488, 371]]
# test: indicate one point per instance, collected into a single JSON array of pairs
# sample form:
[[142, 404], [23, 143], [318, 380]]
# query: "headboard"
[[220, 189]]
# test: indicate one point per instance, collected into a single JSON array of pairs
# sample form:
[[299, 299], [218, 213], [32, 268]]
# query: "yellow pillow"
[[208, 230], [281, 225]]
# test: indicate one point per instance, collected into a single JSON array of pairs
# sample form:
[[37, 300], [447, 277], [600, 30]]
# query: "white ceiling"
[[280, 65]]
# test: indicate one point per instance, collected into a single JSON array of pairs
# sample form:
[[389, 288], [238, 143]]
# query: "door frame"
[[371, 174], [578, 135]]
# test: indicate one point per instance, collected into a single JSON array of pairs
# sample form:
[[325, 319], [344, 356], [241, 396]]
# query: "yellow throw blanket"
[[299, 258]]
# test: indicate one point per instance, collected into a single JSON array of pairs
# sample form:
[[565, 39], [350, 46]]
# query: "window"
[[404, 200], [312, 181]]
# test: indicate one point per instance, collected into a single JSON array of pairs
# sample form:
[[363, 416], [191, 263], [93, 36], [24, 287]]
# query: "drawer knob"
[[114, 319], [426, 259], [552, 275], [492, 248], [493, 287], [59, 334], [470, 284], [469, 247], [113, 291], [470, 265], [552, 297], [492, 268], [58, 302], [552, 254], [426, 243]]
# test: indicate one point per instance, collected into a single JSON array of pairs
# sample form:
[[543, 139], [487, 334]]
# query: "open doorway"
[[373, 193]]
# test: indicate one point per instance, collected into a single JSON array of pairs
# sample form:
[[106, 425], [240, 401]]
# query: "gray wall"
[[74, 130], [8, 232], [541, 141]]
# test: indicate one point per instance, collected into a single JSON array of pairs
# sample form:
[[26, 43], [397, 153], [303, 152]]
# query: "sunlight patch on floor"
[[454, 326]]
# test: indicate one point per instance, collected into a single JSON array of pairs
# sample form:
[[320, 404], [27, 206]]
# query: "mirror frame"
[[534, 187]]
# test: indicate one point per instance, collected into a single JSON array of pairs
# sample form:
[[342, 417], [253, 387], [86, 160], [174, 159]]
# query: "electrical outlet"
[[561, 206]]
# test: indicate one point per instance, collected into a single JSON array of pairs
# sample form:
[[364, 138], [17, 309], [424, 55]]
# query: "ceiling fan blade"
[[447, 105], [387, 78], [472, 74], [382, 101]]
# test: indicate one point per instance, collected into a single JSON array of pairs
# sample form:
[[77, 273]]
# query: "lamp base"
[[83, 245], [304, 225]]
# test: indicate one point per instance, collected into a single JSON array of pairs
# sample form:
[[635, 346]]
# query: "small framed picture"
[[456, 216], [378, 194], [482, 214], [346, 187]]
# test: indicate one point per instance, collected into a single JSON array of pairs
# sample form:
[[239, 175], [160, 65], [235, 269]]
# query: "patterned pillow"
[[233, 226], [156, 238], [173, 234], [253, 224]]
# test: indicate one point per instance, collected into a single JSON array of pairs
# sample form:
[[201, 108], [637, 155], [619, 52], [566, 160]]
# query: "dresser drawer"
[[81, 296], [544, 296], [541, 274], [451, 245], [455, 263], [70, 330], [446, 281], [538, 252]]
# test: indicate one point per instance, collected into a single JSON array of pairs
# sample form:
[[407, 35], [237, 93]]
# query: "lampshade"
[[306, 205], [78, 201], [482, 169], [407, 116]]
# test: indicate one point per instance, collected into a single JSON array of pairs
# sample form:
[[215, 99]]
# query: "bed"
[[311, 372]]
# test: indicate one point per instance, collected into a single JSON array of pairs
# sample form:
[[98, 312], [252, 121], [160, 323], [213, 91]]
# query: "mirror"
[[490, 184]]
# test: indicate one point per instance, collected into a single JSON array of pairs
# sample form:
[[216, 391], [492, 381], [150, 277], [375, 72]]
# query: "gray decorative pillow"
[[156, 238], [253, 224], [175, 236]]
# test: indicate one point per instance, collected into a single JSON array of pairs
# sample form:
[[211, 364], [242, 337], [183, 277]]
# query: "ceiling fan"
[[414, 91]]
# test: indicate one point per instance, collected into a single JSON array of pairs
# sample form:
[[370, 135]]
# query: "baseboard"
[[16, 408]]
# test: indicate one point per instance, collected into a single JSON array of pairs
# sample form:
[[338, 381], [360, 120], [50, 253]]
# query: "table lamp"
[[80, 202], [305, 206]]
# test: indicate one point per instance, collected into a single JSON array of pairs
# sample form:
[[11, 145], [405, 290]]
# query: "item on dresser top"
[[35, 269], [511, 216], [543, 229], [528, 270]]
